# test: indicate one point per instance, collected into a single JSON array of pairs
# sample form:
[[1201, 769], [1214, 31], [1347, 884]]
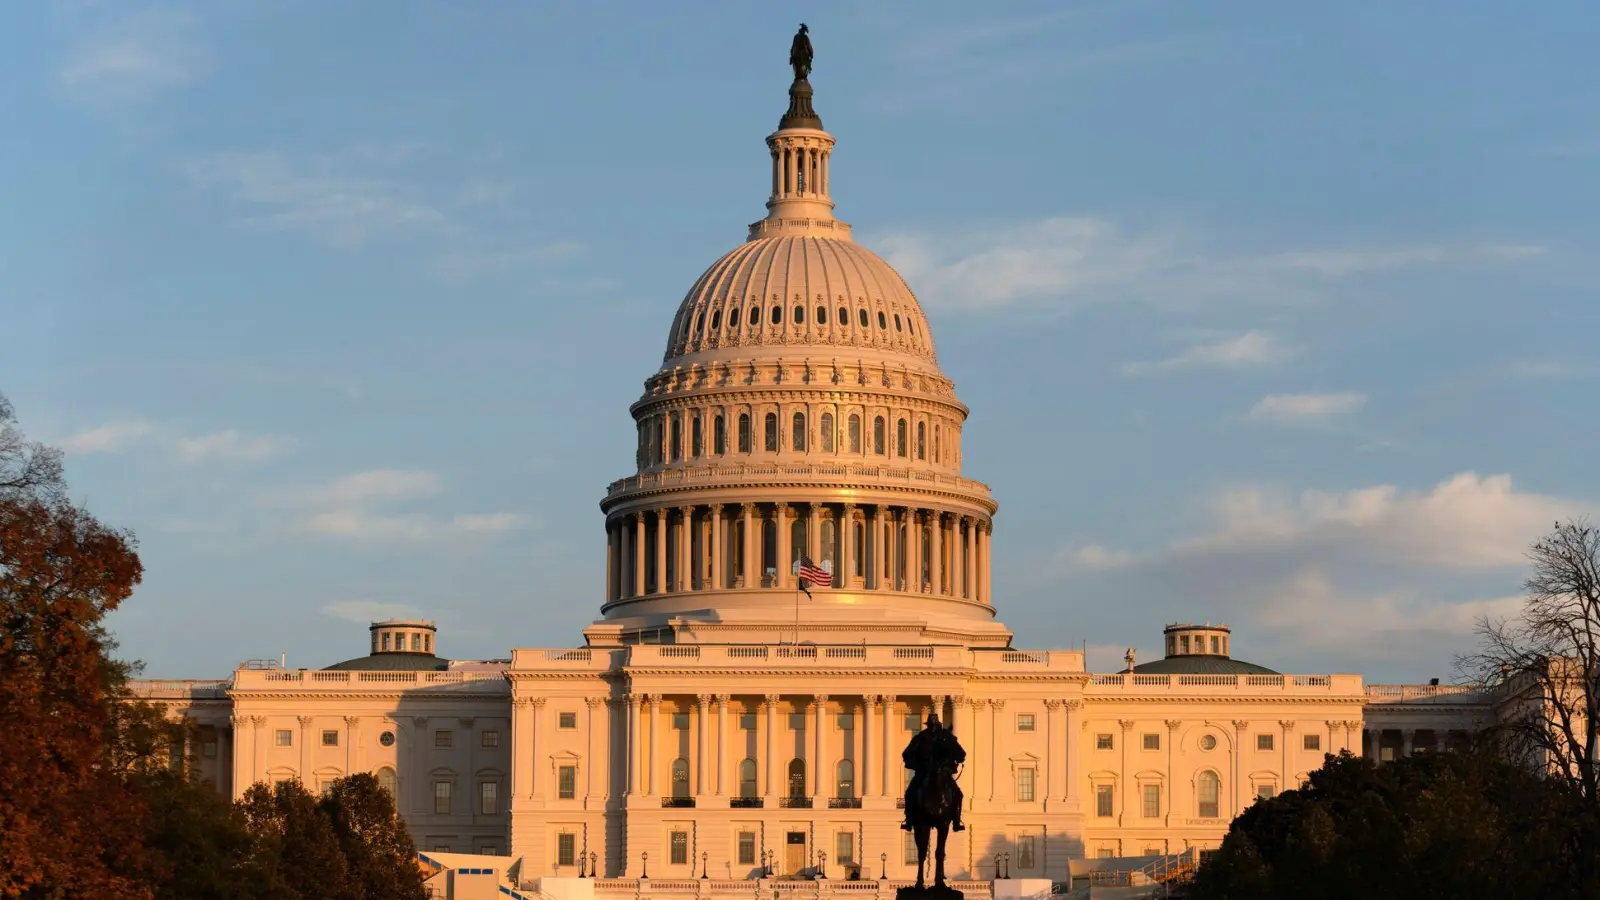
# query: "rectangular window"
[[1311, 742], [1152, 742], [488, 798], [747, 848], [208, 749], [567, 782], [913, 725], [846, 721], [679, 847], [441, 848], [441, 798], [1027, 850], [444, 738], [1266, 790], [490, 739], [1152, 800], [1103, 801], [1154, 851], [489, 849], [1263, 742], [1024, 721], [1106, 853], [797, 721], [680, 721], [566, 849], [330, 739], [747, 721], [1025, 785], [567, 721], [909, 841], [283, 737], [845, 848], [1104, 742]]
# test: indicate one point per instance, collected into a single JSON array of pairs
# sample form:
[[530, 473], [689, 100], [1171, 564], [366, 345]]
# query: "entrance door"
[[794, 852]]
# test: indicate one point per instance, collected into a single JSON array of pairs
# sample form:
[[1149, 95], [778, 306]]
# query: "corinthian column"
[[752, 546], [661, 550], [972, 559], [936, 552], [847, 546], [714, 547], [685, 546], [638, 554]]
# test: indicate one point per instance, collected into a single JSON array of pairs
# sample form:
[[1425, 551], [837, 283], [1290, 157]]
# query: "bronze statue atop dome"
[[800, 54]]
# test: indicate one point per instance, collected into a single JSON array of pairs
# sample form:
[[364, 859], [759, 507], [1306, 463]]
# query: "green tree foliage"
[[1437, 825]]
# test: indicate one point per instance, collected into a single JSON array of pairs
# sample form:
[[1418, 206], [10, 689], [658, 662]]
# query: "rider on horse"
[[932, 747]]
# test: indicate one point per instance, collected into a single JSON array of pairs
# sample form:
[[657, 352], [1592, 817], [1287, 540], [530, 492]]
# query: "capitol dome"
[[799, 422]]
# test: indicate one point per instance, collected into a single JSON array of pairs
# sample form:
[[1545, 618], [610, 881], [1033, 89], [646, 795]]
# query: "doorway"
[[794, 852]]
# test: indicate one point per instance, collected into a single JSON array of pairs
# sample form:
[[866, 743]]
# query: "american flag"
[[812, 575]]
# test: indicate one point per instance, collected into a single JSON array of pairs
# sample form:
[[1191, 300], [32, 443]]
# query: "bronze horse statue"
[[933, 799]]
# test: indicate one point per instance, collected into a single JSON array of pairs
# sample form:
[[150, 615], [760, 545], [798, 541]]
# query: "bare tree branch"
[[28, 469]]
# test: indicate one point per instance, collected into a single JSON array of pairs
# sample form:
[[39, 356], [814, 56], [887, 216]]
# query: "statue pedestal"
[[931, 892]]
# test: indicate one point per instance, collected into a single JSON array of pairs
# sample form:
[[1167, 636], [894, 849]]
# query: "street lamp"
[[822, 864], [1008, 863], [594, 862], [883, 868], [704, 855], [997, 865], [644, 871]]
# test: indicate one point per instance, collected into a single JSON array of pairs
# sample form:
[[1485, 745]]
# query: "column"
[[936, 553], [971, 573], [714, 546], [638, 554], [535, 758], [305, 752], [1406, 736], [752, 544], [239, 775], [885, 744], [825, 172], [592, 755], [652, 740], [819, 765], [352, 742], [1172, 775], [985, 563], [685, 548], [872, 548], [914, 550], [781, 514], [1288, 772], [891, 546], [1333, 744], [1052, 753], [722, 745], [661, 550], [814, 532], [635, 741], [994, 737], [777, 172], [770, 705], [847, 545], [702, 745], [611, 560], [1074, 779], [1374, 739], [868, 774], [1239, 751]]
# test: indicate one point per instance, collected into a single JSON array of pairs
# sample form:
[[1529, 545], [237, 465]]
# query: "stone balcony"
[[179, 688], [1432, 694]]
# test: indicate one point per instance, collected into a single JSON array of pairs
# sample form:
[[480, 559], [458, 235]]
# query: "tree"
[[378, 849], [294, 843], [28, 470], [1436, 825]]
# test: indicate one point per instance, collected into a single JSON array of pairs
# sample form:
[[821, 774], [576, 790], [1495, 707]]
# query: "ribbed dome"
[[799, 290]]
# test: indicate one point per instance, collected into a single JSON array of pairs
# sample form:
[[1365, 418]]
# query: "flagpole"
[[797, 616]]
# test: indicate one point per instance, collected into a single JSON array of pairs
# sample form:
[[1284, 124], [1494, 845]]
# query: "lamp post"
[[704, 856], [883, 867], [763, 864], [581, 860], [594, 862], [997, 865], [644, 870], [1008, 863], [822, 864]]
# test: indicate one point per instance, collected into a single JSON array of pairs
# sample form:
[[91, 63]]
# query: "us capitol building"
[[701, 725]]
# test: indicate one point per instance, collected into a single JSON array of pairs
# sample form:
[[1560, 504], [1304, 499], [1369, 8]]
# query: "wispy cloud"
[[1249, 350], [230, 445], [129, 59], [112, 437], [365, 612], [1065, 262], [360, 508], [1305, 409]]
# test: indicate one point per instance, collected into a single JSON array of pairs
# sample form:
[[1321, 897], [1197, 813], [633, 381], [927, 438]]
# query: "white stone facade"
[[714, 721]]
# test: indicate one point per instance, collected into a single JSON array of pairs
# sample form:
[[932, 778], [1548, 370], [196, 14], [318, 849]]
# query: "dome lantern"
[[801, 152]]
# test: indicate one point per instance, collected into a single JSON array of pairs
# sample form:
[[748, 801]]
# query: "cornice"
[[1278, 700], [317, 694]]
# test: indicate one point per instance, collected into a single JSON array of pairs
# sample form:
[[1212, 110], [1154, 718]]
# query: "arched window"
[[744, 433], [799, 315], [677, 438], [755, 315], [747, 778], [797, 778], [822, 315], [860, 538], [697, 442], [777, 315], [680, 777], [388, 781], [862, 317], [1207, 786], [769, 546], [877, 436], [846, 776], [922, 440], [829, 530], [827, 432], [798, 433], [719, 435], [896, 321], [900, 438], [855, 433], [844, 316], [935, 443], [716, 320], [772, 433]]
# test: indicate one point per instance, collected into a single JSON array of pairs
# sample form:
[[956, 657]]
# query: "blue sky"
[[1275, 314]]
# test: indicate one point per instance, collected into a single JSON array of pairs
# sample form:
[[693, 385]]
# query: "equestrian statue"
[[933, 799]]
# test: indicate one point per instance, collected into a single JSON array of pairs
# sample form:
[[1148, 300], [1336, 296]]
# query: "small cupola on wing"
[[1189, 639], [403, 636]]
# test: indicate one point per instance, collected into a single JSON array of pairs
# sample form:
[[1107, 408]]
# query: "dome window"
[[700, 324], [922, 440], [719, 436], [827, 432], [883, 321], [755, 315], [855, 433], [716, 320], [900, 439], [844, 316], [798, 444], [822, 315], [777, 315], [772, 432], [862, 317], [799, 315], [744, 433], [896, 321], [877, 435], [697, 442]]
